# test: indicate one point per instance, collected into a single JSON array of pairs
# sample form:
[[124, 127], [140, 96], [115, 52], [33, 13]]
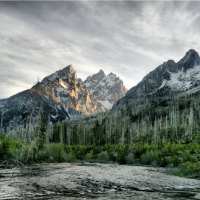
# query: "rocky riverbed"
[[94, 181]]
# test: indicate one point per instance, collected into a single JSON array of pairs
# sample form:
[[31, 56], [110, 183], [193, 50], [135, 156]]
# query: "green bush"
[[165, 161], [189, 168], [175, 160], [103, 156], [70, 157], [56, 153], [150, 157], [88, 156], [10, 148]]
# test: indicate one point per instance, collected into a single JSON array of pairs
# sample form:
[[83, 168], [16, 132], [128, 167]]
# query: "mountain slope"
[[181, 77], [61, 95]]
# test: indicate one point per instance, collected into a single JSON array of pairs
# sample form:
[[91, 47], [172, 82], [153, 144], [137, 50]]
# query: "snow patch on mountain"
[[183, 80]]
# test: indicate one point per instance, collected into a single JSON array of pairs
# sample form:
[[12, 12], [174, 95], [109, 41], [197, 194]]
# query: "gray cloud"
[[127, 38]]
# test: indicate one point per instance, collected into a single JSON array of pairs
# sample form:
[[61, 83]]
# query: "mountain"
[[163, 108], [62, 96], [180, 78], [107, 89], [64, 91]]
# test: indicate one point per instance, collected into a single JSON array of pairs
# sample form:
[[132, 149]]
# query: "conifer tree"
[[43, 121]]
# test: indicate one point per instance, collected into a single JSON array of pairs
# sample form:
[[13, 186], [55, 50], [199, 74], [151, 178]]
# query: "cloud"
[[127, 38]]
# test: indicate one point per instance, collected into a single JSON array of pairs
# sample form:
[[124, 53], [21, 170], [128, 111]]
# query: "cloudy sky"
[[126, 38]]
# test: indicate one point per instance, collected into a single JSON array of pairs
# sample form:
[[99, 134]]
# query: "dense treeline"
[[150, 120], [157, 120]]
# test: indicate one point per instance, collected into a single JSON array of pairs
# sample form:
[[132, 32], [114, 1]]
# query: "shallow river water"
[[76, 181]]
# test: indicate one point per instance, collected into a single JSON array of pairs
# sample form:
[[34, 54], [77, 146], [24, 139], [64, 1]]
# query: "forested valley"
[[155, 130]]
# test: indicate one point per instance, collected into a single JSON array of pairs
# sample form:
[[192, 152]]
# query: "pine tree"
[[43, 122]]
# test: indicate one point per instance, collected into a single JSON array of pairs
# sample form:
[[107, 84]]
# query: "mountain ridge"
[[63, 95], [105, 88], [165, 78]]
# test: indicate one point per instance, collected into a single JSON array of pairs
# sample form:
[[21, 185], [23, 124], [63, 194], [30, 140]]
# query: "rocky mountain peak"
[[92, 81], [182, 77], [63, 96], [190, 59], [107, 89], [67, 71], [71, 67], [101, 73], [191, 54], [67, 74], [99, 76], [112, 75]]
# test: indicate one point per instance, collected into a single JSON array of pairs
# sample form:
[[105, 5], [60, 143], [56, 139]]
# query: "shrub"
[[175, 160], [9, 148], [103, 156], [70, 157], [189, 168], [56, 152], [150, 157], [165, 161], [88, 156]]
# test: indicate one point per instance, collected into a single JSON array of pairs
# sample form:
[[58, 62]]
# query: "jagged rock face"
[[64, 91], [107, 89], [180, 77], [62, 96]]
